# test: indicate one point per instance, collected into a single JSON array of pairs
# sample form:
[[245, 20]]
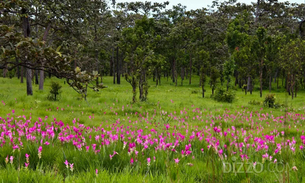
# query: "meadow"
[[175, 136]]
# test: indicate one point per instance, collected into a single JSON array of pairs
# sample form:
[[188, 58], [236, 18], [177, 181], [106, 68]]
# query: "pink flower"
[[148, 161], [26, 164], [131, 161], [39, 149], [66, 163], [46, 143], [177, 160], [27, 155], [71, 167], [96, 172], [11, 159]]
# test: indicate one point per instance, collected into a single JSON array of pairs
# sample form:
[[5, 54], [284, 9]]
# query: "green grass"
[[13, 93], [105, 110]]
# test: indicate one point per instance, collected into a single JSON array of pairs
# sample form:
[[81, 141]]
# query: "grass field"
[[176, 136]]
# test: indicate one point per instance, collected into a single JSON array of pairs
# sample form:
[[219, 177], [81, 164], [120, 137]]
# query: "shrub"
[[194, 92], [55, 91], [222, 95], [254, 102], [269, 100]]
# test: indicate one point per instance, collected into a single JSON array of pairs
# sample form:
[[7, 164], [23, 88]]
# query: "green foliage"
[[221, 95], [254, 102], [55, 90], [270, 100]]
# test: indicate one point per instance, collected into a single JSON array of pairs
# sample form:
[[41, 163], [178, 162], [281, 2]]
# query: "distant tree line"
[[231, 43]]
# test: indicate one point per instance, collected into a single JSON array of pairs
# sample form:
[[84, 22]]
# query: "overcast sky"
[[198, 4]]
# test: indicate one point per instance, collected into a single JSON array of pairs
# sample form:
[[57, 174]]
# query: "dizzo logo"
[[241, 167]]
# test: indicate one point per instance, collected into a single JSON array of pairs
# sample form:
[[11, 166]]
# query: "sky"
[[198, 4]]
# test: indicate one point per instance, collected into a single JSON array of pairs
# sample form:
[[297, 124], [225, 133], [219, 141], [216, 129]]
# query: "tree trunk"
[[191, 65], [111, 63], [113, 66], [118, 65], [157, 77], [4, 72], [261, 78], [296, 89], [173, 70], [36, 77], [248, 83], [134, 90], [245, 86], [22, 74], [18, 68], [292, 86], [26, 33], [182, 75], [236, 77], [270, 83], [41, 79], [251, 86], [41, 72], [29, 89]]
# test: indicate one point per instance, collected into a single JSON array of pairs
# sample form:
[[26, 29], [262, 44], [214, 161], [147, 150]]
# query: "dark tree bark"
[[41, 72], [118, 67], [36, 77], [236, 77], [270, 83], [248, 83], [156, 77], [26, 33], [191, 65], [22, 74], [18, 68], [41, 79], [292, 86], [261, 78], [113, 66], [176, 75], [251, 86], [182, 75], [29, 88], [173, 70]]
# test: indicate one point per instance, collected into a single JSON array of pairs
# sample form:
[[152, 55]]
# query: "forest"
[[234, 44]]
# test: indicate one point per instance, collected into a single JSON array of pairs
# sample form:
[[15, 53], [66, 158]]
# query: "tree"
[[214, 75], [229, 67], [261, 51], [292, 60], [139, 43], [53, 61]]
